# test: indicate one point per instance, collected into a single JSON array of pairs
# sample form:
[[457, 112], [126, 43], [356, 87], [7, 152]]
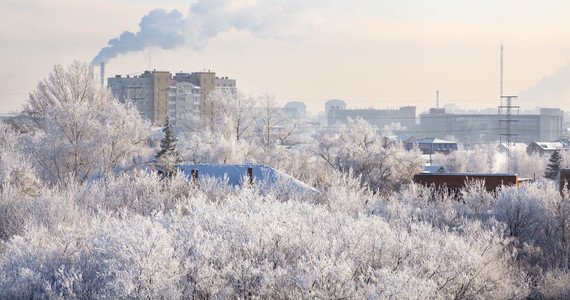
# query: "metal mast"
[[501, 91], [506, 109]]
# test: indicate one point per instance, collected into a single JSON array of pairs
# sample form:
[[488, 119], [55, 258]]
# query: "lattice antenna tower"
[[506, 109]]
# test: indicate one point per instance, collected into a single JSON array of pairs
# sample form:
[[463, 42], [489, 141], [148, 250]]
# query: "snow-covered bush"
[[245, 244]]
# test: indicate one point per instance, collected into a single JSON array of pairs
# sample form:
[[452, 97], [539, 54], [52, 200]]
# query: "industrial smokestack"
[[102, 74], [437, 98]]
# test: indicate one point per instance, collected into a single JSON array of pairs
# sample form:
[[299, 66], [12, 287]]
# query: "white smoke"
[[551, 89], [207, 19]]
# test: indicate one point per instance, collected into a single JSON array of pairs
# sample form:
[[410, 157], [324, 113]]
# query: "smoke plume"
[[207, 19], [551, 89]]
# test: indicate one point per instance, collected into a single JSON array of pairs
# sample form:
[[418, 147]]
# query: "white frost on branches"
[[76, 129]]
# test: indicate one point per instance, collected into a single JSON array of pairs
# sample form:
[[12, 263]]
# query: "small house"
[[545, 147], [432, 145]]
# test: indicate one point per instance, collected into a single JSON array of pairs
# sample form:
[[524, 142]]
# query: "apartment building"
[[152, 91], [149, 92]]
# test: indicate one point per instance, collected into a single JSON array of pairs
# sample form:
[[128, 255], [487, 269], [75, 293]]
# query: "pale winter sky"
[[369, 53]]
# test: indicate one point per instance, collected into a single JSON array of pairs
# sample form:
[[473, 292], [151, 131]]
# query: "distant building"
[[545, 147], [485, 128], [184, 102], [433, 169], [225, 83], [404, 139], [405, 116], [432, 145], [208, 82], [296, 109], [333, 104], [456, 181], [502, 147], [149, 93]]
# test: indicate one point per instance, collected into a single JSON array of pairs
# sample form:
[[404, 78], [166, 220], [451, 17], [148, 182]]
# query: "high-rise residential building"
[[149, 92], [208, 82], [152, 91], [184, 102]]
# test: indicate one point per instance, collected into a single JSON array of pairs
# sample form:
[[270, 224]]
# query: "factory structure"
[[183, 96], [548, 125], [405, 116], [464, 128]]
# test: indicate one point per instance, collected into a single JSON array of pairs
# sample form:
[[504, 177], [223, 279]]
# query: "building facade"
[[432, 145], [149, 93], [485, 128], [152, 91], [296, 109], [333, 104], [208, 82], [405, 116], [184, 102]]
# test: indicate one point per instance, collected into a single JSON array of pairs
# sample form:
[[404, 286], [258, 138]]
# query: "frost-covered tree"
[[274, 126], [356, 147], [168, 157], [555, 161], [236, 112], [479, 160], [75, 129], [15, 168]]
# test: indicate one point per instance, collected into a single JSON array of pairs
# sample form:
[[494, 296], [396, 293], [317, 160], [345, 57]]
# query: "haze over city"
[[370, 54], [163, 150]]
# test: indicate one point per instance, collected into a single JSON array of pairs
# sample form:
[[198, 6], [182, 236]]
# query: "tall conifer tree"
[[168, 158], [554, 166]]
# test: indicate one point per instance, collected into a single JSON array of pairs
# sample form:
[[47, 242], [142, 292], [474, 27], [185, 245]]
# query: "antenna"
[[507, 109], [501, 88]]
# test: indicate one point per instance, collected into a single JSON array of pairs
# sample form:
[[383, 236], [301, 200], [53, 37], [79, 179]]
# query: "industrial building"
[[296, 109], [333, 104], [485, 128], [405, 116]]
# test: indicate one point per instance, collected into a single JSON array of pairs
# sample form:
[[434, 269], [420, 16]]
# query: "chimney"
[[102, 74]]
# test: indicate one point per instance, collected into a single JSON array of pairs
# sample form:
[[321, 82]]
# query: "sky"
[[369, 53]]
